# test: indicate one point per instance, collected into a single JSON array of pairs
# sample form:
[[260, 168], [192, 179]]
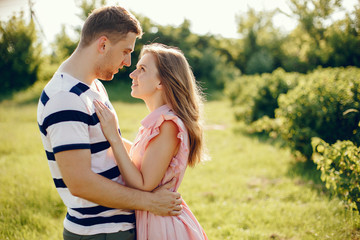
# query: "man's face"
[[115, 57]]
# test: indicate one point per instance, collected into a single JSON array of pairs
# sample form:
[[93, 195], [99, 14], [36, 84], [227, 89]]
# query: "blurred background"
[[282, 83], [220, 39]]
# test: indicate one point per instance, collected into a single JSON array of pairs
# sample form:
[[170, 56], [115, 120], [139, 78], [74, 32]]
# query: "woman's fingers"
[[103, 105], [103, 112], [99, 105], [97, 109], [100, 110]]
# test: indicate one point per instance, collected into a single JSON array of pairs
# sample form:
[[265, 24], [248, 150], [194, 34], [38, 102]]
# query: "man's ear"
[[102, 44]]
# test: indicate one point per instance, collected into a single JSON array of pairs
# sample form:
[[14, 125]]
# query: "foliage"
[[322, 41], [317, 107], [261, 47], [343, 39], [209, 64], [261, 50], [265, 126], [256, 96], [295, 49], [317, 40], [87, 6], [212, 69], [20, 58], [312, 17], [340, 168], [260, 62], [64, 45]]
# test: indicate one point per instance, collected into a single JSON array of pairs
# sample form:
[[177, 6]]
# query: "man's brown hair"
[[114, 22]]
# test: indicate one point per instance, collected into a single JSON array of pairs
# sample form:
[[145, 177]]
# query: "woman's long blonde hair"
[[181, 92]]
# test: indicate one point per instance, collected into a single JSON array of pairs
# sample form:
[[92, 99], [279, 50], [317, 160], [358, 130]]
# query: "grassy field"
[[251, 189]]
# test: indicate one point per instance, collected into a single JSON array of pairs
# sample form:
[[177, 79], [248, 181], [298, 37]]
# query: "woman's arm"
[[157, 156], [127, 144]]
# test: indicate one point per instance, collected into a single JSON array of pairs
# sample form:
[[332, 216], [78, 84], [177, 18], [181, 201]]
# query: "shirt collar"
[[150, 119]]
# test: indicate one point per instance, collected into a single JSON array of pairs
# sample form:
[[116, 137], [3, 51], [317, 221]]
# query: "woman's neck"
[[154, 103]]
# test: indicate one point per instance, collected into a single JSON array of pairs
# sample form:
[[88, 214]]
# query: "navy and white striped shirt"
[[67, 121]]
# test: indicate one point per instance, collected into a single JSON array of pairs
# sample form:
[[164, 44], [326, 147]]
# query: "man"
[[79, 156]]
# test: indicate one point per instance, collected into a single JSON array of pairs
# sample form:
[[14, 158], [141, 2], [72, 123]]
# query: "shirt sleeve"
[[66, 122]]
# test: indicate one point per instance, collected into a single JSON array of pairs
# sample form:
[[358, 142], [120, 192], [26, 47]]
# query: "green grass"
[[252, 188]]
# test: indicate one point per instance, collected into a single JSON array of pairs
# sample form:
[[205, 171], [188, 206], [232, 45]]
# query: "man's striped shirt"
[[67, 121]]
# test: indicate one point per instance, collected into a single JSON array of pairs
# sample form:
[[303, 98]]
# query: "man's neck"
[[79, 66]]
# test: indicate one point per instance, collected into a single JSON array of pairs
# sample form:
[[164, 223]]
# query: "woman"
[[170, 138]]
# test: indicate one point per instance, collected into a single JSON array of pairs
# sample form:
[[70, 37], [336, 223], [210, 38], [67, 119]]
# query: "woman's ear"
[[159, 86]]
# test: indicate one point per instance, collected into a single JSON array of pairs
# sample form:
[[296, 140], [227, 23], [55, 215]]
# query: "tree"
[[313, 16], [261, 42], [87, 6], [209, 62], [20, 54], [64, 45], [343, 38]]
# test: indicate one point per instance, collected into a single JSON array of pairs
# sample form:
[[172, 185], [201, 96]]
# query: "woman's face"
[[145, 78]]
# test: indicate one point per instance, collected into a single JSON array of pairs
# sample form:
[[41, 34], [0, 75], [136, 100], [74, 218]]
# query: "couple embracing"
[[100, 176]]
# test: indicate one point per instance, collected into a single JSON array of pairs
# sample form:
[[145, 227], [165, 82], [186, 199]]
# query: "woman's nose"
[[132, 74]]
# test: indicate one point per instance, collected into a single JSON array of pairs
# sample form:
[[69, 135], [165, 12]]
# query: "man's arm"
[[75, 167]]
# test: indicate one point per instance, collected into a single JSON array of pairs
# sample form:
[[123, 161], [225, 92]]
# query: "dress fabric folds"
[[148, 225]]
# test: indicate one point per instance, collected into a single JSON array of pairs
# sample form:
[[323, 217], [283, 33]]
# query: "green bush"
[[265, 125], [340, 168], [325, 104], [19, 54], [260, 62], [256, 96], [212, 70]]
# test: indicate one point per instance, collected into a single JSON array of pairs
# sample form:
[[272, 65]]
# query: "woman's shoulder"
[[170, 118]]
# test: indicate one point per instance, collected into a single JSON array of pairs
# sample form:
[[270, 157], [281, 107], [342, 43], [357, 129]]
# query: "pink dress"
[[148, 225]]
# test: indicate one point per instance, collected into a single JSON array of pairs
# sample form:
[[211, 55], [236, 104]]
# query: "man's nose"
[[127, 61]]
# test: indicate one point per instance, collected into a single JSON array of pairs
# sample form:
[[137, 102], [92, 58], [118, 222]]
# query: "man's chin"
[[107, 77]]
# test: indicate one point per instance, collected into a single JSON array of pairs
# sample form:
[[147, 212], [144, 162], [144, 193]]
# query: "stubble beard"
[[104, 72], [105, 69]]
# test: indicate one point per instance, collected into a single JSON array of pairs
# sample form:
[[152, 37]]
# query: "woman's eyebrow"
[[138, 65]]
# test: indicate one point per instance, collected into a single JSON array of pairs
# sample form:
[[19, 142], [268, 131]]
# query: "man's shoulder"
[[61, 83], [61, 89], [60, 100]]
